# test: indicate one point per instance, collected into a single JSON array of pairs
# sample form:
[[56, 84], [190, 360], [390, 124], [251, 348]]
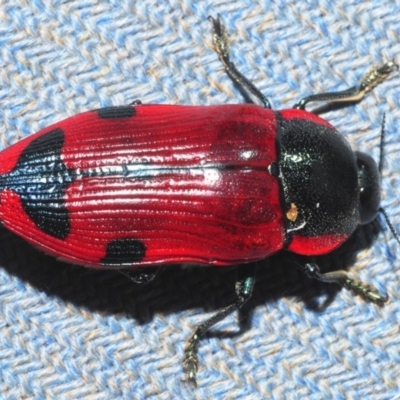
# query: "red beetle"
[[143, 185]]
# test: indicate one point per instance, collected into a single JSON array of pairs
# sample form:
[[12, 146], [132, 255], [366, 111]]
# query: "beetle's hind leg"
[[342, 278], [371, 79], [220, 38], [244, 288]]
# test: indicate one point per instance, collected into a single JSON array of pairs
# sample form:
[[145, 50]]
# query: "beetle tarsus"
[[342, 278], [220, 38], [376, 75], [365, 291], [191, 359], [244, 288], [371, 79]]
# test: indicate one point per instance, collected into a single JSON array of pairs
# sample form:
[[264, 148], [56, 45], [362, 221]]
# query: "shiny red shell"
[[148, 184]]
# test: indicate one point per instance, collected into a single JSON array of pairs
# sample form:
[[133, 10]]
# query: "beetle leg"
[[244, 288], [371, 79], [140, 275], [342, 278], [220, 38]]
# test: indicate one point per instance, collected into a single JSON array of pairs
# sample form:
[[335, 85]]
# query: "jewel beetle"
[[149, 185]]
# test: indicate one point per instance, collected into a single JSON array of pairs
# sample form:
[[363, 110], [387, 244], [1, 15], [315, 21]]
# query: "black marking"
[[116, 112], [124, 252], [40, 178]]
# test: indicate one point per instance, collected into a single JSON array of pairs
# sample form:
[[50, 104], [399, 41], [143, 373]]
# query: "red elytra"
[[150, 184]]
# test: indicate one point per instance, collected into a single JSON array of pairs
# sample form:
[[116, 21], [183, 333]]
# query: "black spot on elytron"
[[40, 179], [116, 112], [124, 252]]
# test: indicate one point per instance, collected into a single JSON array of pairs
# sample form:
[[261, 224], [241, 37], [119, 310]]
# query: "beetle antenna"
[[382, 142], [395, 234], [381, 210]]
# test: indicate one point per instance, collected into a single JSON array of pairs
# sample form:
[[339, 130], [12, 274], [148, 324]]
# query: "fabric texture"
[[67, 332]]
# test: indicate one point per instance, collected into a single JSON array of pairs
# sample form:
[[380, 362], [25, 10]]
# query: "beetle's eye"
[[369, 188]]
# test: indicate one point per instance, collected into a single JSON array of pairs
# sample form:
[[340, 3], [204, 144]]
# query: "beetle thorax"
[[319, 185]]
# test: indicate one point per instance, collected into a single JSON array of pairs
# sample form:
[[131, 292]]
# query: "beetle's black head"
[[369, 188]]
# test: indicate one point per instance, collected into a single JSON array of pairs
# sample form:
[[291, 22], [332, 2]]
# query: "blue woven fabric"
[[73, 333]]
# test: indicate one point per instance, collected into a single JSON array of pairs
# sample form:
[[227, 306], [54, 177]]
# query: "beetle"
[[143, 185]]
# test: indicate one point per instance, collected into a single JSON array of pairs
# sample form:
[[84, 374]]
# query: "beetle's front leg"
[[356, 93], [244, 288], [342, 278]]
